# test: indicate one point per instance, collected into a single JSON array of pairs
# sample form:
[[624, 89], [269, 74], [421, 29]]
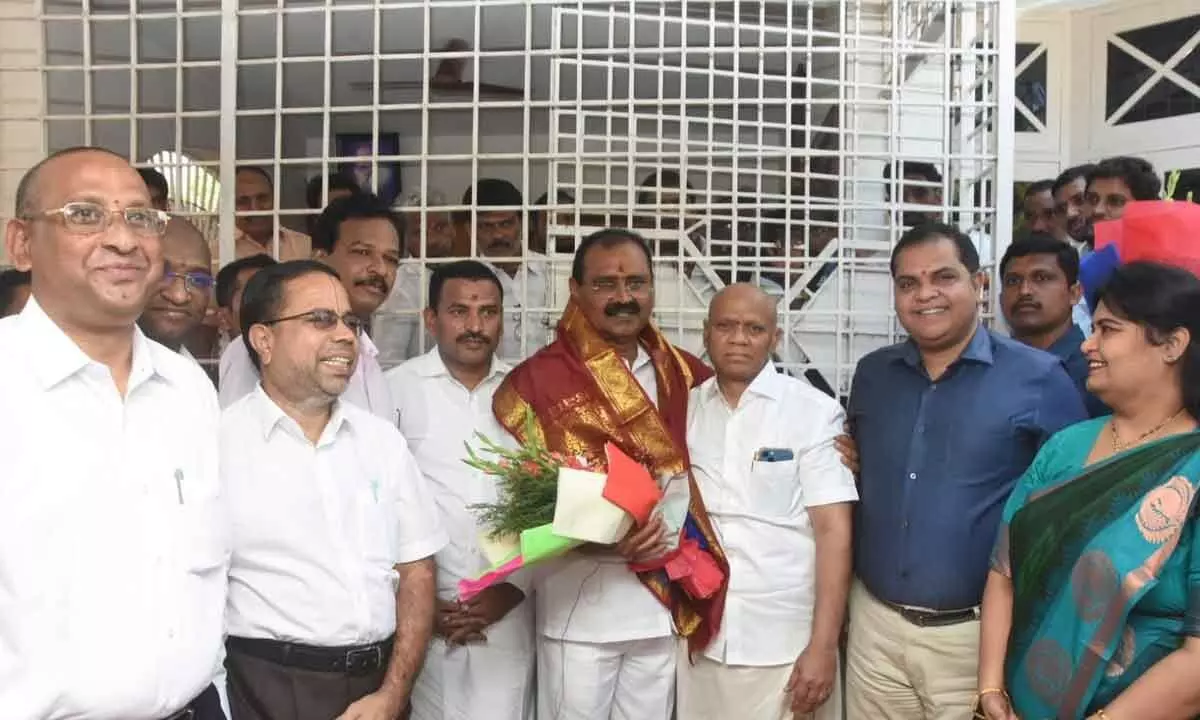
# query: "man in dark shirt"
[[1039, 278], [945, 422]]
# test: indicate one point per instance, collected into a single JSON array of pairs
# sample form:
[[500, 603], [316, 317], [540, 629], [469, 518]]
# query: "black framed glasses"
[[324, 319], [192, 281], [89, 218]]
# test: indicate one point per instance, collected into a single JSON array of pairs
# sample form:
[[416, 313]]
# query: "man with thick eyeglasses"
[[357, 237], [331, 597], [112, 545], [177, 308]]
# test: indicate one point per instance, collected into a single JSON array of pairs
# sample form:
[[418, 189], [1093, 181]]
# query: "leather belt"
[[189, 711], [924, 617], [355, 660]]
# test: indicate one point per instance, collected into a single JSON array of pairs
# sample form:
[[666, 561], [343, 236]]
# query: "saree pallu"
[[1083, 553]]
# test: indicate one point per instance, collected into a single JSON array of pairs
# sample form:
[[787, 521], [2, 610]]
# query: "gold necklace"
[[1118, 445]]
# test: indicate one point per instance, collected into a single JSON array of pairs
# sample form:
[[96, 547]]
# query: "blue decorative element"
[[1095, 270]]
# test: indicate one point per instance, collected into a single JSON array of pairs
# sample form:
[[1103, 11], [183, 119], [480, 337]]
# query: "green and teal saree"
[[1105, 565]]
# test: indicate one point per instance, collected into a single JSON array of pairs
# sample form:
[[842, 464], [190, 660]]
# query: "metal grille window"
[[746, 140]]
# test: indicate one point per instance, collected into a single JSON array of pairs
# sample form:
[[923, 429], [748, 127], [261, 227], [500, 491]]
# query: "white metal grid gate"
[[781, 115]]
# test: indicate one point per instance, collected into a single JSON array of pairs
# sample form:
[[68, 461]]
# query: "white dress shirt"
[[438, 416], [366, 389], [586, 598], [317, 530], [759, 508], [112, 552], [526, 317], [397, 327]]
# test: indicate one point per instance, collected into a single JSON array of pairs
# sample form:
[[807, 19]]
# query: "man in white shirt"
[[331, 586], [179, 305], [480, 663], [397, 327], [607, 616], [762, 449], [357, 237], [525, 275], [112, 556]]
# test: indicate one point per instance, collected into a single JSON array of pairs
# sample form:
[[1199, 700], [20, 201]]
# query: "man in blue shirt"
[[1039, 278], [945, 423]]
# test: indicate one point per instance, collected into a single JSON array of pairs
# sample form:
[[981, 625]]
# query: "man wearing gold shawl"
[[607, 617]]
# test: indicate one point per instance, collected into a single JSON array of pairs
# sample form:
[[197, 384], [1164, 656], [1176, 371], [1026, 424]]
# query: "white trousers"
[[709, 690], [475, 681], [631, 680]]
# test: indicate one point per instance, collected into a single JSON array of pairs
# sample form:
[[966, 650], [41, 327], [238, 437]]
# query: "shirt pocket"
[[376, 529], [773, 488], [204, 541]]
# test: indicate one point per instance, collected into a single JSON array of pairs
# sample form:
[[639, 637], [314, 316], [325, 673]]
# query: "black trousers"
[[264, 690], [206, 706]]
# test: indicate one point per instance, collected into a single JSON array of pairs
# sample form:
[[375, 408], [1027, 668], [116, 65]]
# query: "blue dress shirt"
[[1068, 349], [939, 459]]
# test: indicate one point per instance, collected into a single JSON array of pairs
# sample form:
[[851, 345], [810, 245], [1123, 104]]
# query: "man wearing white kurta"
[[480, 662], [334, 531], [112, 552], [762, 449]]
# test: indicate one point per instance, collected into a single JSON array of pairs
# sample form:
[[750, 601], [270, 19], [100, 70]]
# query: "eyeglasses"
[[323, 319], [192, 281], [610, 286], [89, 218]]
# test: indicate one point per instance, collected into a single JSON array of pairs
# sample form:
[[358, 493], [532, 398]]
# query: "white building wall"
[[21, 136]]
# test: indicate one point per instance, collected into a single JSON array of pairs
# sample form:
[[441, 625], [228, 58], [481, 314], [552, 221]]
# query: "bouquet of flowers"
[[548, 504]]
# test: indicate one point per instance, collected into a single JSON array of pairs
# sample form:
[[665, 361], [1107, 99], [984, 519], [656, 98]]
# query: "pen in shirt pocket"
[[179, 485]]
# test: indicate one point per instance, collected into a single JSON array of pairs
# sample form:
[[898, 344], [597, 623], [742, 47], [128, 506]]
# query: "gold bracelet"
[[991, 691]]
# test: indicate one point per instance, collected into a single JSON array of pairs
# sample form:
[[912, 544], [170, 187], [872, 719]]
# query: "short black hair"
[[155, 180], [1070, 175], [1040, 243], [263, 298], [1137, 174], [1038, 186], [562, 198], [608, 238], [28, 182], [929, 232], [257, 170], [359, 206], [313, 194], [459, 270], [10, 280], [490, 192], [653, 185], [903, 168], [1161, 299], [227, 276]]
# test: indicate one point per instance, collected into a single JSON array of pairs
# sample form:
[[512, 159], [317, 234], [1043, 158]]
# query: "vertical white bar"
[[228, 123], [1005, 34]]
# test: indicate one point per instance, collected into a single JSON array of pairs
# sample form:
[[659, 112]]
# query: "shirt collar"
[[979, 350], [431, 365], [767, 383], [271, 417], [1068, 344], [58, 357]]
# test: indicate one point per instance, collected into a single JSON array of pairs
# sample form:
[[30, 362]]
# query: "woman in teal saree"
[[1092, 607]]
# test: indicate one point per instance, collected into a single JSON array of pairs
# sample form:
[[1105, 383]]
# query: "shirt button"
[[912, 476]]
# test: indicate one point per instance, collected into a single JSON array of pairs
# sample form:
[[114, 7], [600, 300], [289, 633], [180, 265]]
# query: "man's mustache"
[[472, 337], [624, 308], [375, 281]]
